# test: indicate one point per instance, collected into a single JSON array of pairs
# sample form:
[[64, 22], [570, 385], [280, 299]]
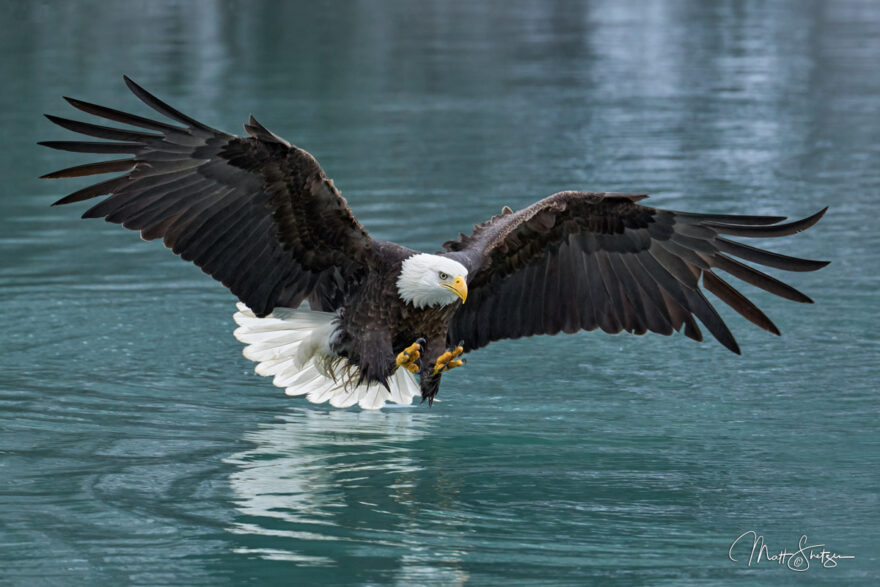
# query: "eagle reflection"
[[320, 487]]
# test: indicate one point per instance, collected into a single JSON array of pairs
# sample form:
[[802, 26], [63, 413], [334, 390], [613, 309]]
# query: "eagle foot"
[[449, 359], [409, 357]]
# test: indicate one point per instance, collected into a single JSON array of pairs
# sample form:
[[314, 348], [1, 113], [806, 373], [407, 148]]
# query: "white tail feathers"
[[293, 347]]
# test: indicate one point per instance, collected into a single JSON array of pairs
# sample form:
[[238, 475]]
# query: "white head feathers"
[[431, 280]]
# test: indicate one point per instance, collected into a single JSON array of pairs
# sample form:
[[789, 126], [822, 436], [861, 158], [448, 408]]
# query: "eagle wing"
[[580, 260], [255, 213]]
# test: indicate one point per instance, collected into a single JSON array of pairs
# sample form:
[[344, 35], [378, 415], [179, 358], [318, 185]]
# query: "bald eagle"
[[260, 215]]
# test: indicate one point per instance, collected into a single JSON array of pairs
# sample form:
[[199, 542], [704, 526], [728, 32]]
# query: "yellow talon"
[[407, 357], [449, 360]]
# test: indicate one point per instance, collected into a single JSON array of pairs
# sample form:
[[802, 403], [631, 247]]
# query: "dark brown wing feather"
[[256, 213], [580, 260]]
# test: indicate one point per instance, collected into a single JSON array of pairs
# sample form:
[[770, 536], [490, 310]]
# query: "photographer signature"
[[798, 560]]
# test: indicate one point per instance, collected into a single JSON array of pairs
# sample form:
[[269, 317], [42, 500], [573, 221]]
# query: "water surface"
[[137, 446]]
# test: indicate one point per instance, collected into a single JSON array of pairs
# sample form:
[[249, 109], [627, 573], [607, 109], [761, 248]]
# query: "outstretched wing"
[[255, 213], [580, 260]]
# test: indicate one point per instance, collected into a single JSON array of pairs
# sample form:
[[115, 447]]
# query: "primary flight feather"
[[259, 215]]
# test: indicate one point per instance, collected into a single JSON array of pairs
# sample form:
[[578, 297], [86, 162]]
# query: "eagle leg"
[[449, 359], [409, 357]]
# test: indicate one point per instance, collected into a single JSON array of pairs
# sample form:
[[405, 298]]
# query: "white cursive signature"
[[798, 561]]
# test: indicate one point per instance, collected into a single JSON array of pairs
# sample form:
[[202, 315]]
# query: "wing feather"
[[92, 169], [767, 258], [102, 132], [759, 279], [166, 110], [92, 147], [733, 298], [125, 117], [99, 189], [767, 231]]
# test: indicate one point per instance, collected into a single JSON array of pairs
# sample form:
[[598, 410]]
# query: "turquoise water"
[[138, 447]]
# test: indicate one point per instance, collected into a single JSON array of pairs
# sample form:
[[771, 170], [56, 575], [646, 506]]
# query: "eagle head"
[[432, 280]]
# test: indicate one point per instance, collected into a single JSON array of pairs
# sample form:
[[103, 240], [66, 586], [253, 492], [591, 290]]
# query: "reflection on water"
[[304, 462], [314, 477]]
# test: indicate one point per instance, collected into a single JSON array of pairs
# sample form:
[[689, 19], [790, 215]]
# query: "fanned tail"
[[293, 347]]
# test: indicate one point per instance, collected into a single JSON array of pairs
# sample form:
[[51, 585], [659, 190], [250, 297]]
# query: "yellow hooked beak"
[[459, 287]]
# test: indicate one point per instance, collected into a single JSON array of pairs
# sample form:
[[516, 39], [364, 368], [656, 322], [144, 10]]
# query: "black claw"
[[421, 341], [460, 344]]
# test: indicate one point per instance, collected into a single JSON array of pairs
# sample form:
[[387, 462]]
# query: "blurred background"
[[137, 446]]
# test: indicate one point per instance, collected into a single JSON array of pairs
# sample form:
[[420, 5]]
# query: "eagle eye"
[[443, 276]]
